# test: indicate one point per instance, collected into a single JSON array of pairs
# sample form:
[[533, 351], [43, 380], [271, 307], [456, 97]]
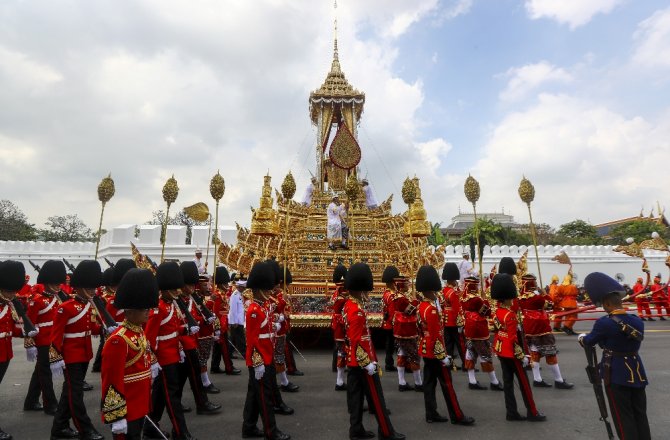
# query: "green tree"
[[436, 237], [638, 229], [66, 228], [179, 219], [578, 232], [490, 232], [14, 224]]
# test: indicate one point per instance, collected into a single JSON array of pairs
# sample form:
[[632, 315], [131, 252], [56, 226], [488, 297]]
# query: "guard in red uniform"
[[509, 350], [210, 330], [259, 357], [42, 312], [190, 368], [537, 329], [282, 318], [120, 268], [12, 279], [106, 293], [338, 300], [659, 295], [436, 362], [390, 272], [126, 358], [363, 376], [71, 337], [221, 307], [406, 334], [452, 316], [477, 313], [162, 331]]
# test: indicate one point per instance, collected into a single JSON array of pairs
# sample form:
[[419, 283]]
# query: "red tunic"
[[188, 341], [361, 351], [259, 335], [451, 307], [162, 330], [9, 328], [117, 314], [535, 318], [337, 321], [387, 298], [506, 342], [658, 294], [126, 375], [42, 312], [477, 311], [72, 330], [220, 308], [404, 318], [283, 308], [431, 345]]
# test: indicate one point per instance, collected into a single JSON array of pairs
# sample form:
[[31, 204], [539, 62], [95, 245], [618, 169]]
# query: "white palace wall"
[[116, 244]]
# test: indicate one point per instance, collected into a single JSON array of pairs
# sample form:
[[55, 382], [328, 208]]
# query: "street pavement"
[[320, 411]]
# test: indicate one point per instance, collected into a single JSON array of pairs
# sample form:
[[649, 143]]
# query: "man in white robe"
[[370, 199], [334, 229], [307, 198]]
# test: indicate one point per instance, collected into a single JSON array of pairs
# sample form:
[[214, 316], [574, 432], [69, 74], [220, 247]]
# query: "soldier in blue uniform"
[[620, 335]]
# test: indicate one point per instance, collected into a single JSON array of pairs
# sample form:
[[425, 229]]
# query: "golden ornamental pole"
[[409, 196], [217, 187], [288, 191], [170, 193], [106, 191], [472, 192], [209, 239], [352, 189], [527, 194]]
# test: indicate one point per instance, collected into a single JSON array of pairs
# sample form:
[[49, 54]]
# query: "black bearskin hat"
[[120, 268], [169, 276], [87, 275], [222, 276], [503, 287], [138, 289], [289, 277], [261, 277], [390, 272], [12, 275], [507, 265], [190, 272], [359, 278], [427, 280], [108, 277], [339, 273], [52, 272], [450, 272], [276, 270]]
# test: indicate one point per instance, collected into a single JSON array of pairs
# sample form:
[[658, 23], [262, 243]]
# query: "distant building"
[[604, 229], [461, 222]]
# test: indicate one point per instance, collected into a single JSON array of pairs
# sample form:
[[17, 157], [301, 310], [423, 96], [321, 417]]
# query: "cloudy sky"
[[575, 94]]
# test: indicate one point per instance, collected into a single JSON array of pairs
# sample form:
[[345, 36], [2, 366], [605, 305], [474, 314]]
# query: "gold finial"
[[288, 186], [408, 191], [471, 189], [353, 189], [170, 190], [526, 191], [217, 186], [106, 189]]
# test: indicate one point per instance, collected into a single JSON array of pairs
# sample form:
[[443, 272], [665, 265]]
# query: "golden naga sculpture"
[[296, 233]]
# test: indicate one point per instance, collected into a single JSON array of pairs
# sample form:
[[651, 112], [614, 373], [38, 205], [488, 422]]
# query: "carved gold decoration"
[[527, 194], [472, 193], [655, 243], [526, 191], [471, 189], [353, 189], [631, 249], [264, 219], [217, 187], [288, 186], [417, 225], [408, 191], [345, 152], [170, 193], [562, 258], [106, 191], [440, 352], [198, 212], [362, 357], [256, 359]]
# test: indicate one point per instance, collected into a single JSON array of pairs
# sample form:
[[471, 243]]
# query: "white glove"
[[120, 427], [525, 361], [460, 329], [371, 368], [281, 317], [193, 330], [33, 333], [111, 328], [217, 333], [155, 369], [57, 369], [31, 354], [182, 356], [447, 361], [277, 326], [580, 338], [259, 371], [211, 319]]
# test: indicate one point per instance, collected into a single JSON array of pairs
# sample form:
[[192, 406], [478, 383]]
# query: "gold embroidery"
[[642, 379], [440, 352], [518, 351], [362, 357], [256, 358], [54, 356], [113, 406]]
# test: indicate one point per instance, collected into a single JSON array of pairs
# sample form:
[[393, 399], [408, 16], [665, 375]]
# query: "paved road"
[[321, 412]]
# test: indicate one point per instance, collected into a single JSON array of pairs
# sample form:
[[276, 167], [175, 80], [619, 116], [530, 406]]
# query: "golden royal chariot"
[[295, 233]]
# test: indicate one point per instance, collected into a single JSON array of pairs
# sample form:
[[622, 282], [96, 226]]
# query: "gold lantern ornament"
[[106, 191], [472, 193], [170, 193], [217, 187], [287, 191], [527, 195]]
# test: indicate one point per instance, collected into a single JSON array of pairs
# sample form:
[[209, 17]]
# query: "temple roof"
[[336, 84]]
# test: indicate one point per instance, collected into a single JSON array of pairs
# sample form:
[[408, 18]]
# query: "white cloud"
[[432, 152], [653, 40], [530, 77], [584, 160], [454, 8], [575, 13], [20, 70]]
